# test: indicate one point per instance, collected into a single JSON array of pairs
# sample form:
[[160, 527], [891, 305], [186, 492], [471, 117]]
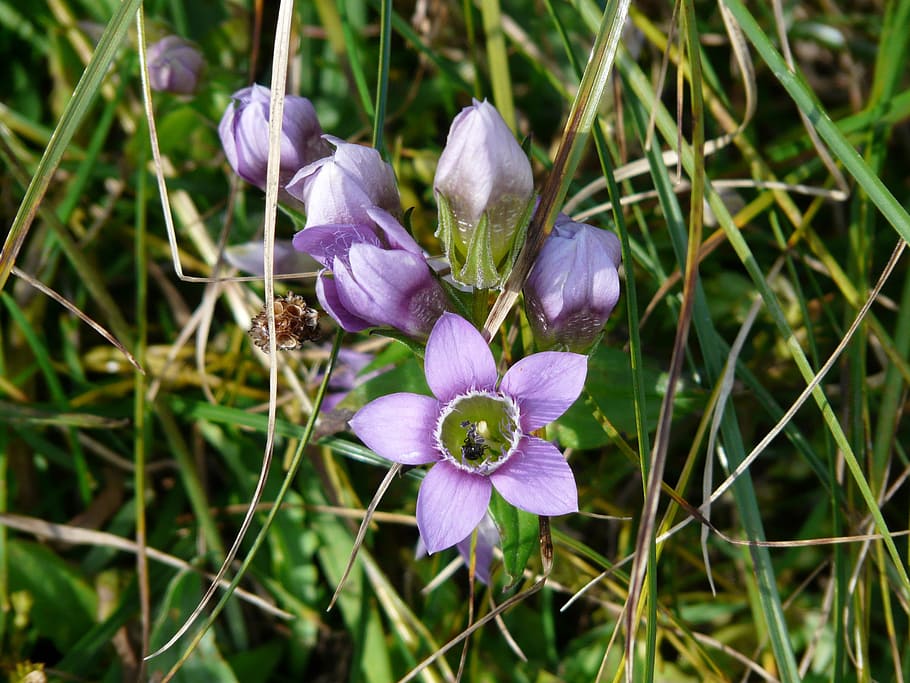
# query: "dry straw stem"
[[75, 535], [280, 63]]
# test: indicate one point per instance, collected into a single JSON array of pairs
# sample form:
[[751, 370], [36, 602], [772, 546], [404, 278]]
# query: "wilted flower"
[[244, 132], [477, 432], [379, 275], [295, 323], [340, 188], [573, 286], [174, 65], [484, 188]]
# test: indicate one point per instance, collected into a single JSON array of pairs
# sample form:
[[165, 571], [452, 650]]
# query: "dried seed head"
[[295, 323]]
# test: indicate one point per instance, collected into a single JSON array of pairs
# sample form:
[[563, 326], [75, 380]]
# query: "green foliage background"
[[118, 488]]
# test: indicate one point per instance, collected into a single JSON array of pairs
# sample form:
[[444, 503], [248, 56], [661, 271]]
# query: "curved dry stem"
[[362, 531], [65, 533]]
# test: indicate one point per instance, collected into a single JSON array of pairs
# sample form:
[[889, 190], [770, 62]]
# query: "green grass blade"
[[75, 111]]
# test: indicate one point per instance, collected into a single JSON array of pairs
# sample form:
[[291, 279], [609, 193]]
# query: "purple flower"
[[244, 132], [487, 540], [247, 256], [484, 188], [573, 286], [174, 65], [347, 375], [379, 275], [338, 189], [477, 432]]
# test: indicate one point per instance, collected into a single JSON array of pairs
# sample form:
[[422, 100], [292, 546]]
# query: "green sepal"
[[479, 269], [518, 531], [446, 230], [521, 231]]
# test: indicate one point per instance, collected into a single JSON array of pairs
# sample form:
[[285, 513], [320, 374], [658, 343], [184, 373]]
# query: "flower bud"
[[573, 286], [484, 188], [340, 188], [379, 276], [174, 65], [248, 257], [244, 132]]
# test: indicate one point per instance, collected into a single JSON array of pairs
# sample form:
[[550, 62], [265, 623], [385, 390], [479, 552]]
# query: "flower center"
[[478, 431]]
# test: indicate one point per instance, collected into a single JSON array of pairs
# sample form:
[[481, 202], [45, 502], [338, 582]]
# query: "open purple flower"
[[477, 432], [379, 275]]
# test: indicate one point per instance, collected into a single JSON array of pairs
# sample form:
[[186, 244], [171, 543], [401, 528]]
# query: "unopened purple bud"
[[573, 286], [379, 277], [244, 132], [248, 257], [484, 187], [340, 188], [174, 65]]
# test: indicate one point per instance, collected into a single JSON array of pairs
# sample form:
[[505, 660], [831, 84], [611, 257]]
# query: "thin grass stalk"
[[76, 109], [273, 511], [578, 127], [382, 75], [500, 78], [140, 409], [654, 477], [744, 492], [352, 46]]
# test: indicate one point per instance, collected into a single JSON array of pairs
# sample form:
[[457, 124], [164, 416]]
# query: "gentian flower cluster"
[[477, 431]]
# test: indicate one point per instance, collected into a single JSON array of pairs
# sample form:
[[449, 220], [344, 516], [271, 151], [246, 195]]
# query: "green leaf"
[[206, 662], [518, 530], [51, 582], [609, 382]]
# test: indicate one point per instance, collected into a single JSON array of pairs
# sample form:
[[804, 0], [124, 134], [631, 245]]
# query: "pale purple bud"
[[340, 188], [244, 132], [482, 173], [248, 257], [573, 286], [379, 277], [174, 65]]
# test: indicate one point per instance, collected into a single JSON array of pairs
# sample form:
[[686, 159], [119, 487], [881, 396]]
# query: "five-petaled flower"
[[477, 432]]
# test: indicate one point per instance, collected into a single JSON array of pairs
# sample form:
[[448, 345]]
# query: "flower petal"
[[537, 479], [392, 288], [545, 385], [327, 242], [399, 427], [457, 359], [450, 505], [327, 293], [487, 539]]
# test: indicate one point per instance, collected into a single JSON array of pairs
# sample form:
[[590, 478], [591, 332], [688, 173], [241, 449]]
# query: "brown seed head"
[[295, 323]]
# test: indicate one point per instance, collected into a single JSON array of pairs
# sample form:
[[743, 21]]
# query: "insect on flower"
[[474, 443]]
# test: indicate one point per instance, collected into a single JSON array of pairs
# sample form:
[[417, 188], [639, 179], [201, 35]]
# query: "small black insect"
[[474, 445]]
